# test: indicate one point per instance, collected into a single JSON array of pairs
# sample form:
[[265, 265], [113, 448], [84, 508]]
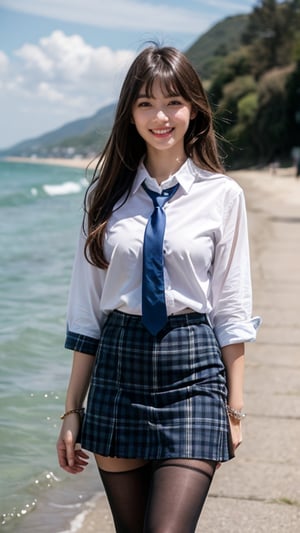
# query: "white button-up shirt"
[[206, 256]]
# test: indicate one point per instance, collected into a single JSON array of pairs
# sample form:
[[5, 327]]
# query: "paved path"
[[260, 490]]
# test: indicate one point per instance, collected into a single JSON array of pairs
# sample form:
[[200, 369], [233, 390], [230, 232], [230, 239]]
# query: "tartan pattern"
[[156, 397], [81, 343]]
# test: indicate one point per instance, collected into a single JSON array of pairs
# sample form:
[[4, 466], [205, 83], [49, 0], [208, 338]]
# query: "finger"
[[78, 466], [70, 449], [82, 454], [61, 453], [73, 469], [79, 461]]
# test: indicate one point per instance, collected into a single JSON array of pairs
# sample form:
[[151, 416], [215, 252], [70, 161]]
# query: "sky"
[[61, 60]]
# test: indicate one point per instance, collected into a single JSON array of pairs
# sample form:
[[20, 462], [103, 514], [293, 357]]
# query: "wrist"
[[235, 414], [235, 401], [77, 411]]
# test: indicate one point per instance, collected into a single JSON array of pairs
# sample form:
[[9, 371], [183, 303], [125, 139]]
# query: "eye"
[[175, 102], [143, 103]]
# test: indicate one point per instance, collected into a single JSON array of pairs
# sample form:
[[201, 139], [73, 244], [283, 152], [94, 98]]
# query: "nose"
[[162, 115]]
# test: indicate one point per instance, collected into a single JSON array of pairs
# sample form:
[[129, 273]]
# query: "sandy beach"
[[75, 163], [259, 491]]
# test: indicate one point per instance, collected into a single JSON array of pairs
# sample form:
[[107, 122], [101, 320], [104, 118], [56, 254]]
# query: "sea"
[[40, 217]]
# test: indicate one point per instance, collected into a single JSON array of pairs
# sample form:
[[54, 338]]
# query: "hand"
[[70, 458], [236, 432]]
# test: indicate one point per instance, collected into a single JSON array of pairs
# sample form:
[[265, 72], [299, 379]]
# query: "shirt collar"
[[185, 176]]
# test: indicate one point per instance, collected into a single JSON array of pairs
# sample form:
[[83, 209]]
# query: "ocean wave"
[[45, 481], [61, 189], [16, 513], [37, 192]]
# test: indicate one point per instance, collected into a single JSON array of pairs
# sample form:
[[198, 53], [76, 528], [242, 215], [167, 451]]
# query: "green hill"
[[82, 136], [209, 50]]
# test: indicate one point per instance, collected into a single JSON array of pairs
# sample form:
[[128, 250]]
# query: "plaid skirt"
[[158, 397]]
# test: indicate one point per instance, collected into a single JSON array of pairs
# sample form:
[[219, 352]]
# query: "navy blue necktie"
[[154, 312]]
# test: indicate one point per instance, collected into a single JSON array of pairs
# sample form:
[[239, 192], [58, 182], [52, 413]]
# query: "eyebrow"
[[144, 95]]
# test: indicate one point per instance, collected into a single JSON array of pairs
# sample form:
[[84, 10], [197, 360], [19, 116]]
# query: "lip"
[[162, 132]]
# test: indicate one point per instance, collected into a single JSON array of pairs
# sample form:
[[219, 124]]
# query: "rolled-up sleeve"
[[84, 313], [231, 291]]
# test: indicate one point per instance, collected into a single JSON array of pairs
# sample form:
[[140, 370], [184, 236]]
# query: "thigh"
[[178, 491], [117, 464], [126, 483]]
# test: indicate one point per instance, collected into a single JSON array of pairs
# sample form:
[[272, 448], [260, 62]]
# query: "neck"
[[161, 168]]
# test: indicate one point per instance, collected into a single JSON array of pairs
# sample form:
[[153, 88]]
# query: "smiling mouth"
[[164, 131]]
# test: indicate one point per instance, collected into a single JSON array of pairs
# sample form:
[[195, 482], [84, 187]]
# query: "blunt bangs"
[[167, 80], [168, 74]]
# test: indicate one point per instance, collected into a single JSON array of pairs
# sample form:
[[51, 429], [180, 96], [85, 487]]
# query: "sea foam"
[[68, 187]]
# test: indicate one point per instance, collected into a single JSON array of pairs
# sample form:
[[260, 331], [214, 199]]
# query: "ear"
[[131, 120], [194, 113]]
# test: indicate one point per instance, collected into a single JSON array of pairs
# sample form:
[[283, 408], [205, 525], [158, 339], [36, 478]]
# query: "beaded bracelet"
[[80, 411], [235, 413]]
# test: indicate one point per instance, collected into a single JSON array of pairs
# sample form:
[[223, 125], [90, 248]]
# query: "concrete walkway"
[[259, 492]]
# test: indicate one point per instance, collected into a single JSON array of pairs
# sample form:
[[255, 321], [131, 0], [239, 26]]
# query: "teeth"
[[161, 132]]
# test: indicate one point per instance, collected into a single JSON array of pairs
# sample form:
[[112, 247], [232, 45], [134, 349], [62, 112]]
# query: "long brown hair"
[[116, 168]]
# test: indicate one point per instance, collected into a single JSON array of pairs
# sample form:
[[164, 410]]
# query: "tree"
[[293, 107], [256, 92], [271, 123], [270, 32], [235, 64]]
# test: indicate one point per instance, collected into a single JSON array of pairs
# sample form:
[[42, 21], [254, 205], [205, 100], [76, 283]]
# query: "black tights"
[[159, 497]]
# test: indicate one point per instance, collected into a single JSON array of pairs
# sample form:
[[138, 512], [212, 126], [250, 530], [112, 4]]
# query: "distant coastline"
[[65, 162], [270, 171]]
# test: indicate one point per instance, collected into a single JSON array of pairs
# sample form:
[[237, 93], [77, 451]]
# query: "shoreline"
[[268, 171], [83, 163]]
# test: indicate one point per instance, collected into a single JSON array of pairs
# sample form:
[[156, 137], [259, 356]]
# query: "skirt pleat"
[[158, 397]]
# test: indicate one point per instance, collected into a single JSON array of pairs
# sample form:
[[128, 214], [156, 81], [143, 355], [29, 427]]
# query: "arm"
[[71, 460], [234, 361], [232, 302], [231, 292], [83, 333]]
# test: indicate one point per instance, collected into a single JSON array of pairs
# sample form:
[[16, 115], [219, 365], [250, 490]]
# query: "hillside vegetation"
[[250, 67], [209, 50], [255, 89]]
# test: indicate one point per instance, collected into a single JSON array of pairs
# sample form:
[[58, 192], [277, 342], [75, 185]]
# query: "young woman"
[[165, 367]]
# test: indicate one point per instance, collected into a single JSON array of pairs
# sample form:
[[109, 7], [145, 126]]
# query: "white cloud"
[[34, 58], [8, 80], [59, 79], [4, 63], [45, 91], [66, 69], [123, 14]]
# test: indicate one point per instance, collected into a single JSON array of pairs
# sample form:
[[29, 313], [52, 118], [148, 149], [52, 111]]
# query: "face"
[[161, 120]]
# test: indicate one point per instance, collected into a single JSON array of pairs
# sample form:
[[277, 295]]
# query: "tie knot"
[[160, 198]]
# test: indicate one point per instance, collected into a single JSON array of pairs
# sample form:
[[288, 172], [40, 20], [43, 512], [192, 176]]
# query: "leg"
[[126, 483], [178, 492]]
